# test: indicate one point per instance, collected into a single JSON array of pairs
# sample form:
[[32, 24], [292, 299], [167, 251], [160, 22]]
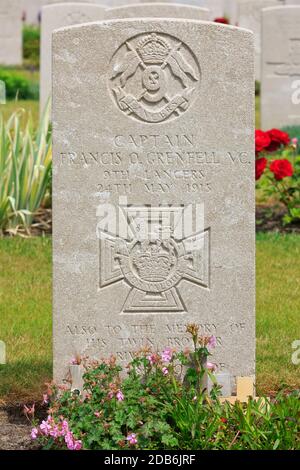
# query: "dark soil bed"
[[15, 429], [269, 219], [14, 433]]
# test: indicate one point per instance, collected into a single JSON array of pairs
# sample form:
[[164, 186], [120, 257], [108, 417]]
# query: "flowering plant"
[[278, 161], [162, 403], [134, 411]]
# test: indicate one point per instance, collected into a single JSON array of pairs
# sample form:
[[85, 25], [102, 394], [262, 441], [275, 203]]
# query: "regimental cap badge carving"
[[153, 77]]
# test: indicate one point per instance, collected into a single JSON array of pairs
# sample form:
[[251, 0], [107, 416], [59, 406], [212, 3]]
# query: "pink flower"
[[132, 439], [74, 361], [165, 371], [97, 414], [71, 442], [77, 445], [50, 428], [34, 433], [110, 395], [212, 342], [45, 427], [295, 142], [54, 432], [167, 355], [211, 366], [152, 359], [119, 395]]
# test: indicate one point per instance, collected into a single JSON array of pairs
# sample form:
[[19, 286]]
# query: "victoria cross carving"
[[153, 267], [153, 77]]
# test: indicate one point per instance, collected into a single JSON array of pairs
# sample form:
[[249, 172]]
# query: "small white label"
[[2, 92], [2, 353]]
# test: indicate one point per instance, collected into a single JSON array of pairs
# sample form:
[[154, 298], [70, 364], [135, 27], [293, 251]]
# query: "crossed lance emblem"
[[162, 79], [153, 266]]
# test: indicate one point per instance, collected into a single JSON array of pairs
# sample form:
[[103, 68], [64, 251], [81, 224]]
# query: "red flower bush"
[[260, 166], [270, 141], [281, 169], [262, 140], [222, 20], [278, 138], [274, 153]]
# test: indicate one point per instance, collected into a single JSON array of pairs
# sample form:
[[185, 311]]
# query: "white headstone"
[[158, 10], [153, 189], [54, 17], [2, 352], [249, 17], [215, 7], [10, 32], [280, 86]]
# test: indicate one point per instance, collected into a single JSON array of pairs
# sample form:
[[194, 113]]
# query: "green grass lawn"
[[25, 312], [278, 309]]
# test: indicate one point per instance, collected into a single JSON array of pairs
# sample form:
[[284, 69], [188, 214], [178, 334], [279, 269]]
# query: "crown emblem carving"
[[154, 260], [153, 49], [153, 77]]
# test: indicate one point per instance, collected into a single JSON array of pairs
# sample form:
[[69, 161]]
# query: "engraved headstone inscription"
[[153, 189], [54, 17], [280, 85]]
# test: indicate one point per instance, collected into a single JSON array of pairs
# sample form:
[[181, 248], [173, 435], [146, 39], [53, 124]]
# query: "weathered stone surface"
[[280, 86], [215, 7], [158, 10], [10, 32], [54, 17], [153, 121]]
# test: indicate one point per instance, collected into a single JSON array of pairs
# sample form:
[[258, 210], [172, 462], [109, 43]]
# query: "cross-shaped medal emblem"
[[152, 261]]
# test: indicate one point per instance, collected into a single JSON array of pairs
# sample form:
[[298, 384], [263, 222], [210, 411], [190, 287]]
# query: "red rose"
[[260, 166], [221, 20], [277, 138], [281, 168], [262, 140]]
